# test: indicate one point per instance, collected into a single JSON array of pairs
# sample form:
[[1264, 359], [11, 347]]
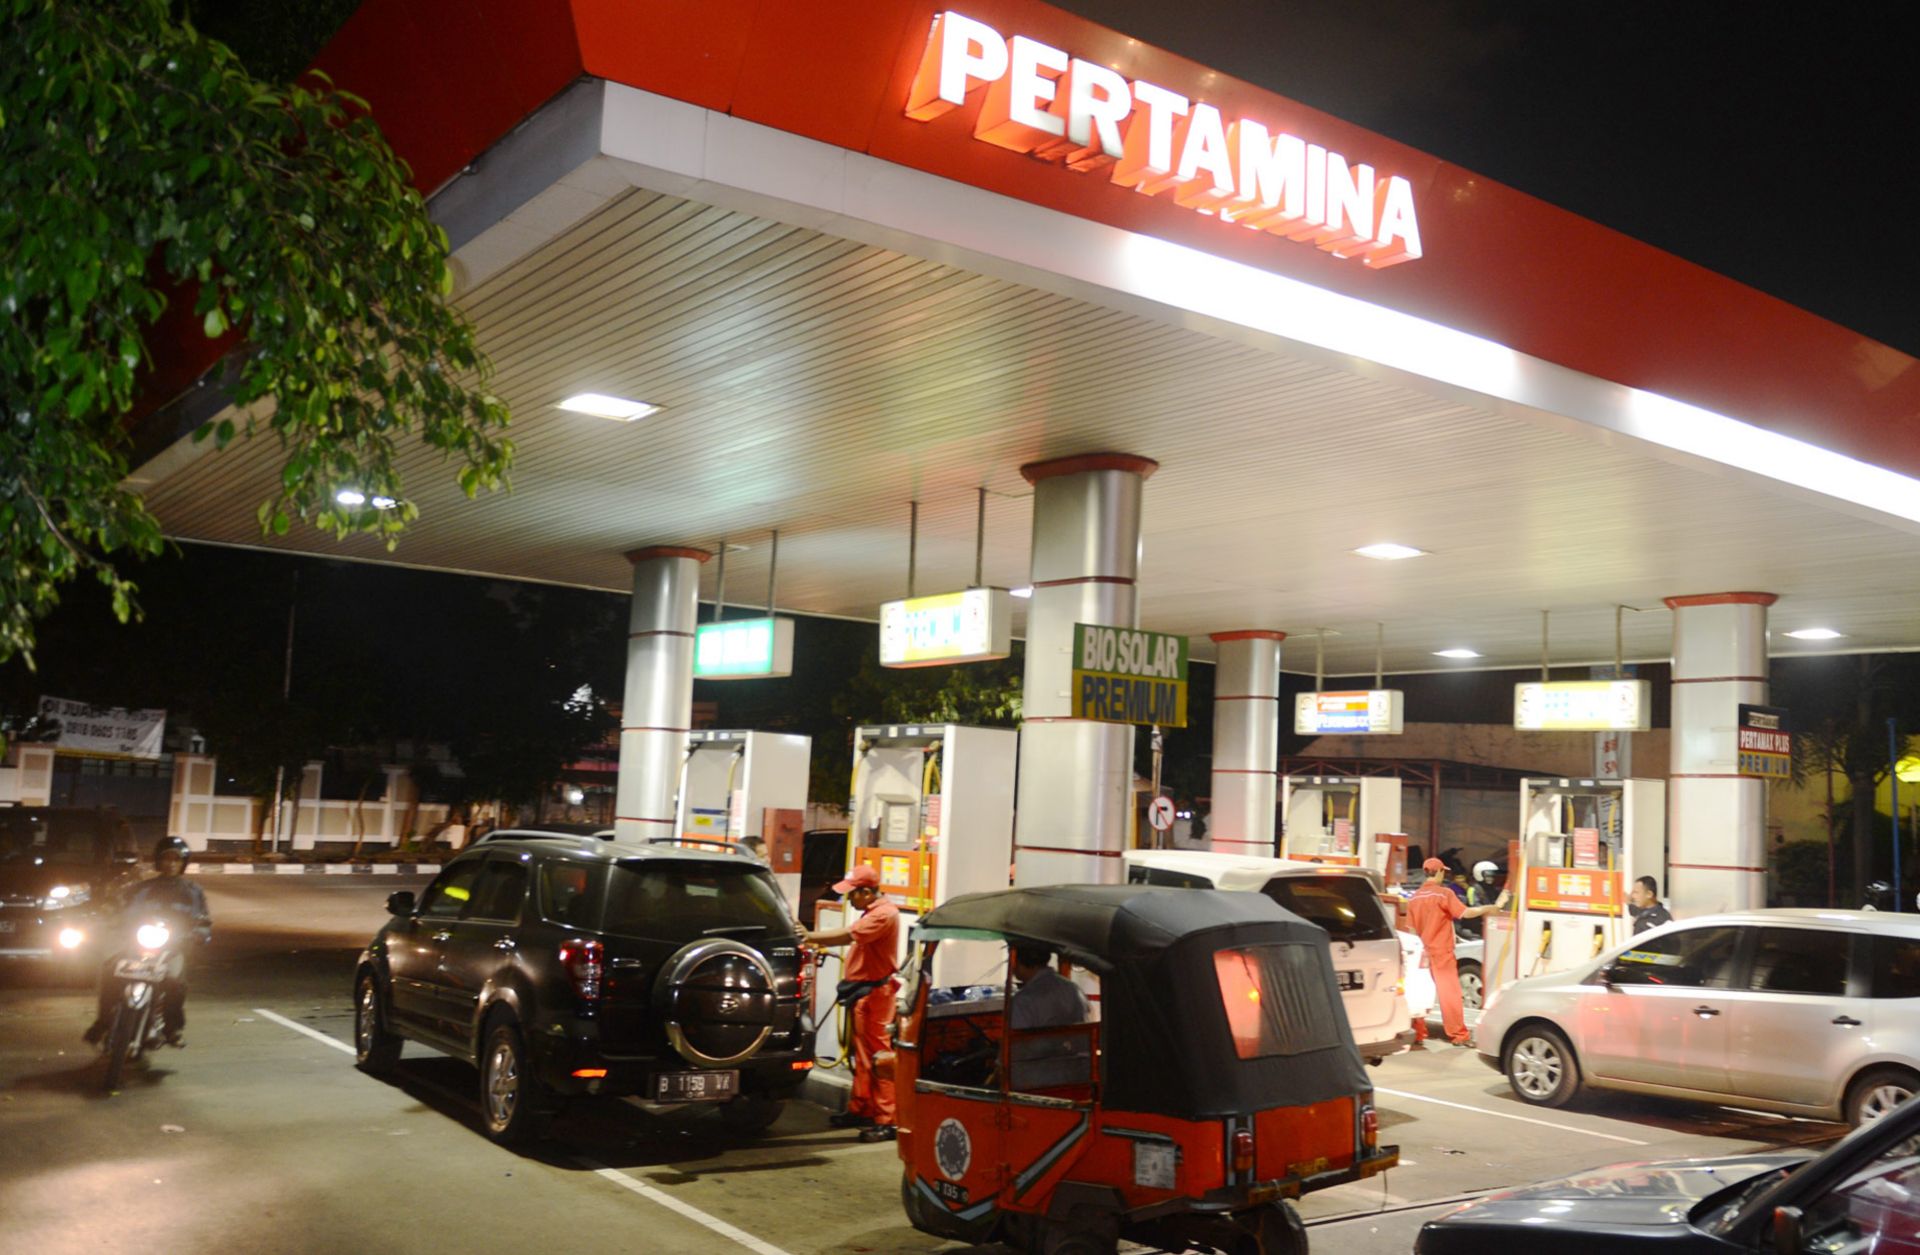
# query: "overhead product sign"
[[743, 649], [1044, 102], [971, 626], [101, 731], [1361, 712], [1765, 743], [1124, 675], [1583, 706]]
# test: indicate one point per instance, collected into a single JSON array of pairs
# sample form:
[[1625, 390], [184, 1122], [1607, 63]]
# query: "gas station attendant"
[[1431, 911], [870, 959]]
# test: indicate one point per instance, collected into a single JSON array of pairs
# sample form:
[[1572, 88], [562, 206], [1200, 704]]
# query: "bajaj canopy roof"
[[1168, 1047]]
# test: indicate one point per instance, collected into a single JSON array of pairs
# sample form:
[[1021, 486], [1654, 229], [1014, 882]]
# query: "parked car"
[[1813, 1013], [562, 965], [1862, 1196], [1343, 900], [63, 870]]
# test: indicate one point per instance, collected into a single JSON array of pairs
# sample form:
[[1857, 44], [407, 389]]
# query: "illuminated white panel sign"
[[743, 649], [1584, 706], [1041, 101], [968, 626], [1363, 711]]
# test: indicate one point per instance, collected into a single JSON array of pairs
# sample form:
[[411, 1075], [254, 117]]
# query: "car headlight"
[[64, 896], [153, 936], [71, 938]]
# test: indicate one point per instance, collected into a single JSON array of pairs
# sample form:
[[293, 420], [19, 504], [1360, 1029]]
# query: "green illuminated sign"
[[743, 649], [1122, 675]]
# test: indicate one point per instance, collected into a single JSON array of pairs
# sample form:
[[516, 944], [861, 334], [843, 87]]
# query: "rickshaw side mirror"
[[1786, 1231]]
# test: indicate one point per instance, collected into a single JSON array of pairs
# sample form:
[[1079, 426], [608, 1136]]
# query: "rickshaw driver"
[[869, 961], [1045, 999]]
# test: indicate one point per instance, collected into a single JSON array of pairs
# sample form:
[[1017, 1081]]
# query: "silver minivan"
[[1343, 900], [1805, 1012]]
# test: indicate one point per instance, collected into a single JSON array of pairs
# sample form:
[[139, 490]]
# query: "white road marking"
[[614, 1175], [673, 1204], [1507, 1115], [314, 1033]]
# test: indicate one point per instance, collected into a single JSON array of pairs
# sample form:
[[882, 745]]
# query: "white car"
[[1343, 900], [1811, 1013]]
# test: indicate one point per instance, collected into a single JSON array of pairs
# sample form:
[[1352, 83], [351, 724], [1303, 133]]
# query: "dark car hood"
[[1631, 1195], [23, 876]]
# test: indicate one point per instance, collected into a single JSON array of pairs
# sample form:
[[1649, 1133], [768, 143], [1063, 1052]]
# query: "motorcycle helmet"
[[1485, 870], [176, 846]]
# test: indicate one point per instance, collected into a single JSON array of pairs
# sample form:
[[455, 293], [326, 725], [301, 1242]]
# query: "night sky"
[[1769, 142]]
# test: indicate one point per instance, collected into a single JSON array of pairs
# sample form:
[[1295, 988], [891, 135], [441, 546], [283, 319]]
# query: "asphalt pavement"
[[261, 1136]]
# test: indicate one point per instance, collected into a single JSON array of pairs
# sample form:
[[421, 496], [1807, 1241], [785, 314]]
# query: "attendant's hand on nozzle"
[[1501, 902]]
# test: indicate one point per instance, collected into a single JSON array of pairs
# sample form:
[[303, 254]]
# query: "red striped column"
[[1075, 791], [1716, 818], [659, 696], [1246, 741]]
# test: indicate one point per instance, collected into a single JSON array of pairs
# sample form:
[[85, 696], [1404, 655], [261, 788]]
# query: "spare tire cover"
[[716, 1000]]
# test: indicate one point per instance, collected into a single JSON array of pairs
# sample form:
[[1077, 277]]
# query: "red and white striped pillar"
[[1075, 793], [658, 709], [1716, 818], [1246, 741]]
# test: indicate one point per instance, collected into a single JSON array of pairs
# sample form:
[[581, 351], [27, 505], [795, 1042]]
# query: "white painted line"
[[691, 1212], [291, 869], [1507, 1115], [340, 869], [385, 869], [314, 1033]]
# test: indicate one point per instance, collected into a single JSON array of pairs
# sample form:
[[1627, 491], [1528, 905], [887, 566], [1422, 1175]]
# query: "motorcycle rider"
[[1480, 892], [168, 892]]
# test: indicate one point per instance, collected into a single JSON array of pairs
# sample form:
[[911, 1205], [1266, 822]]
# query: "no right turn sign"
[[1160, 813]]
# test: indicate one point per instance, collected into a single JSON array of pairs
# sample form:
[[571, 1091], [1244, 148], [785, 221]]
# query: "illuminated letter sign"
[[949, 627], [1584, 706], [1041, 101], [1362, 712], [1765, 744], [1121, 675], [743, 649]]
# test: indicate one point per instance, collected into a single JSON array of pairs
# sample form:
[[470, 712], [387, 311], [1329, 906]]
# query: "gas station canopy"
[[846, 292]]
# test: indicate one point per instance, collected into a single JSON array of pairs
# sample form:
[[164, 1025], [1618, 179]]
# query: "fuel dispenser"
[[930, 809], [1348, 820], [748, 787], [1582, 845]]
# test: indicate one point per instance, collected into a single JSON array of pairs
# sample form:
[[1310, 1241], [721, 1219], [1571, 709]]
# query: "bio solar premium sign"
[[969, 626], [1765, 744], [743, 649], [1361, 712], [1088, 117], [1123, 675], [1584, 706]]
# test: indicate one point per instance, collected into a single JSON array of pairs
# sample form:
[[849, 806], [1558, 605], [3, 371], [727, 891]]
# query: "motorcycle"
[[143, 969]]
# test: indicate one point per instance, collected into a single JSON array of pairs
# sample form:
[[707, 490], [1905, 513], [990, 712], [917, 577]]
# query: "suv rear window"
[[1346, 906], [665, 899]]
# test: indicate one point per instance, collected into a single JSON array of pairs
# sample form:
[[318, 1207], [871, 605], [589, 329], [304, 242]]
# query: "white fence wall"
[[201, 816]]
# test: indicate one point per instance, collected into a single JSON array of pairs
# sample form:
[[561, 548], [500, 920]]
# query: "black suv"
[[562, 964], [63, 869]]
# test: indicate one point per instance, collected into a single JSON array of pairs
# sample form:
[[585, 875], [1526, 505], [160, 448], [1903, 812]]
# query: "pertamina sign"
[[1123, 675], [1090, 118], [1765, 743]]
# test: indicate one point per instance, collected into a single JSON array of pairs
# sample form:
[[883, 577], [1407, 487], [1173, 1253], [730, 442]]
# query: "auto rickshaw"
[[1216, 1080]]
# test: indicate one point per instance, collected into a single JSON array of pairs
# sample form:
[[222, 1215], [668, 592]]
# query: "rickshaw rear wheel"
[[1275, 1230], [1065, 1239]]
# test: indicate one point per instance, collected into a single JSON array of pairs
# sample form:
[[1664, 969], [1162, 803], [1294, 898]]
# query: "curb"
[[314, 869], [827, 1087]]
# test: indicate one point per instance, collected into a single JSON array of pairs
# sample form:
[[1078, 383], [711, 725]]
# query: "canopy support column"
[[658, 707], [1246, 742]]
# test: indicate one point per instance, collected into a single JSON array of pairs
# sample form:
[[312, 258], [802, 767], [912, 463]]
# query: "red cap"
[[1434, 867], [860, 876]]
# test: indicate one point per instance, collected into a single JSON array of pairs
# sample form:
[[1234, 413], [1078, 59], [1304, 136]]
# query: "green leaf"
[[215, 323]]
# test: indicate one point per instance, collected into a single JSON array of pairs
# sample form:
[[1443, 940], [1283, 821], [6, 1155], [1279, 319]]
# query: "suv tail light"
[[586, 966], [1243, 1150], [1369, 1126], [808, 956]]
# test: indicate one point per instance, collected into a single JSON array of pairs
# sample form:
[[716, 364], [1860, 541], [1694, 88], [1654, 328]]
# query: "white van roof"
[[1239, 871]]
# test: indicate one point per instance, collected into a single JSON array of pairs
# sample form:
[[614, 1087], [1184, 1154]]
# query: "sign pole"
[[1159, 743]]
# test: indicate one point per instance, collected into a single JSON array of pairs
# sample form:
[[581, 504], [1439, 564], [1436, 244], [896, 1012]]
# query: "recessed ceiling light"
[[600, 405], [384, 503], [1455, 653], [1021, 592], [1387, 551], [1816, 634], [350, 496]]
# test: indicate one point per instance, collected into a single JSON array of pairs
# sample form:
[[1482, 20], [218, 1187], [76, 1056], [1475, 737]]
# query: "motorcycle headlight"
[[63, 896], [71, 938], [152, 936]]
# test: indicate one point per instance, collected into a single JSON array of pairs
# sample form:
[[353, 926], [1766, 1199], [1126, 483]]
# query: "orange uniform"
[[871, 957], [1432, 911]]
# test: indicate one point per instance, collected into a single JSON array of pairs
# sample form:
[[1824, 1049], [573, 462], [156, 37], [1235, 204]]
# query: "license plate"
[[1352, 980], [695, 1086], [6, 925], [135, 969]]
